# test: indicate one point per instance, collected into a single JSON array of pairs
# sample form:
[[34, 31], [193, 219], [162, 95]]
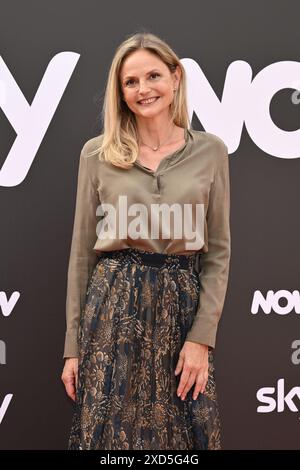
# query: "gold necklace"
[[160, 145]]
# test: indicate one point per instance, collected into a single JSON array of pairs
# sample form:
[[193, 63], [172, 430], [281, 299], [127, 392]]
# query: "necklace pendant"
[[155, 148]]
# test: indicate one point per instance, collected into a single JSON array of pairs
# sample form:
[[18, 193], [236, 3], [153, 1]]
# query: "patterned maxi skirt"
[[139, 307]]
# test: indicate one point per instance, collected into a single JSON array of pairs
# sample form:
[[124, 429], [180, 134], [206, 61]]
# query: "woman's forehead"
[[141, 63]]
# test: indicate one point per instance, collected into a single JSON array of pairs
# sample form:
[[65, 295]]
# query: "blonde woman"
[[143, 298]]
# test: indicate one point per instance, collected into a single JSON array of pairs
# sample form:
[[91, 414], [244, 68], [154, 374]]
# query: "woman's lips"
[[143, 104]]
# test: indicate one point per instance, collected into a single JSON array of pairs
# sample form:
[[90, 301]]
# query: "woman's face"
[[143, 76]]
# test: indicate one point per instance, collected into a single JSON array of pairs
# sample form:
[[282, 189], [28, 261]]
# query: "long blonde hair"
[[119, 143]]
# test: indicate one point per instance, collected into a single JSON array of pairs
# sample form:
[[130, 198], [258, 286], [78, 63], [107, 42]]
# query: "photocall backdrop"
[[243, 65]]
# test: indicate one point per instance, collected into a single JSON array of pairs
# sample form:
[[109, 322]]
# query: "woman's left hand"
[[193, 362]]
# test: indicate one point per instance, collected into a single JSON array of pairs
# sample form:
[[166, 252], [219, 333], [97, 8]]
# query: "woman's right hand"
[[70, 376]]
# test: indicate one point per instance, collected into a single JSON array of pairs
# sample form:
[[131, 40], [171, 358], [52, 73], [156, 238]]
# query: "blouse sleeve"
[[215, 262], [82, 258]]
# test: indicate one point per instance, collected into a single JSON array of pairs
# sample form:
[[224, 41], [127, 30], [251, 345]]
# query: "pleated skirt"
[[134, 323]]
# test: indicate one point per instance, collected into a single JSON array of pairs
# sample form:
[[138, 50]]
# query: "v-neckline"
[[167, 157]]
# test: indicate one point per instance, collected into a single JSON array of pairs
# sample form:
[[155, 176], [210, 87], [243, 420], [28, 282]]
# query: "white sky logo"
[[31, 122], [244, 100], [4, 405], [278, 403], [157, 224]]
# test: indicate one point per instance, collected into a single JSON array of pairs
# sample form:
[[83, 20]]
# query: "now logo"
[[244, 100], [280, 400], [7, 305], [270, 302]]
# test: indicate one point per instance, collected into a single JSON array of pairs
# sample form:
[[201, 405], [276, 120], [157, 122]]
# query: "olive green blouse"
[[197, 173]]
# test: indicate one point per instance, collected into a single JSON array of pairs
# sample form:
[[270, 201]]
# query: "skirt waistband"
[[150, 258]]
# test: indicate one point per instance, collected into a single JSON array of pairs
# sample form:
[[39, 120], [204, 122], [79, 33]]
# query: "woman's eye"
[[131, 81]]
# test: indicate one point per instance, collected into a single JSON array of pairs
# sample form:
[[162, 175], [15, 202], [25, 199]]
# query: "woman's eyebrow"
[[148, 73]]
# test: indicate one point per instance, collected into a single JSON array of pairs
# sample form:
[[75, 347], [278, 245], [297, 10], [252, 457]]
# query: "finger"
[[183, 380], [199, 386], [179, 366], [205, 383], [204, 387], [70, 388], [188, 385]]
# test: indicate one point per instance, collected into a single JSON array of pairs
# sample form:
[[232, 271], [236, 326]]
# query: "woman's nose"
[[143, 86]]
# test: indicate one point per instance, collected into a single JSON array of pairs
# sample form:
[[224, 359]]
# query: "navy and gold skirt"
[[139, 308]]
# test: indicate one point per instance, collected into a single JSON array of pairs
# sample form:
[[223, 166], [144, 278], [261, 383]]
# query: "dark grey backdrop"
[[37, 215]]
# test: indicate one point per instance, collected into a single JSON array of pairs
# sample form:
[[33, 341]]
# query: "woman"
[[143, 301]]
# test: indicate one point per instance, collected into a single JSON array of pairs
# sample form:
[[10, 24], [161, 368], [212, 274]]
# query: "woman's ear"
[[176, 77]]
